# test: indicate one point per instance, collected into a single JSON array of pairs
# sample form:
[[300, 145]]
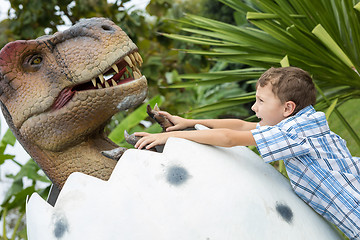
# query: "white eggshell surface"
[[190, 191]]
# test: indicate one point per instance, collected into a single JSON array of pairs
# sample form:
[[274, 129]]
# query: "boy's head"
[[290, 89]]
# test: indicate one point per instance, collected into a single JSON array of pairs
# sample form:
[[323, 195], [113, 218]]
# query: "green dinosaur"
[[58, 93]]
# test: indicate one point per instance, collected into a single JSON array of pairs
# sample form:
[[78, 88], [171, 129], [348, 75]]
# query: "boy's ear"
[[289, 108]]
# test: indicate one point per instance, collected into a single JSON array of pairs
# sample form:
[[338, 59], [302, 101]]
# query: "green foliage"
[[31, 19], [217, 10], [8, 139], [350, 111], [345, 123], [16, 195]]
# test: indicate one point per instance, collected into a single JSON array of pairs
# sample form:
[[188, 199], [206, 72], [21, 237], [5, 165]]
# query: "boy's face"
[[268, 107]]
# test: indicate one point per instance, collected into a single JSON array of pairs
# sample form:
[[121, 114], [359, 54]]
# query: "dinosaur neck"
[[85, 157]]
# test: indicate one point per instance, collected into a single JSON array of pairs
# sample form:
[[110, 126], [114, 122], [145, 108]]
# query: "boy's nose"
[[253, 107]]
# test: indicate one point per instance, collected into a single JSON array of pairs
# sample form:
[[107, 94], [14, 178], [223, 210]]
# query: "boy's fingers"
[[137, 144], [145, 142], [172, 128], [141, 134], [153, 144], [166, 114], [140, 144]]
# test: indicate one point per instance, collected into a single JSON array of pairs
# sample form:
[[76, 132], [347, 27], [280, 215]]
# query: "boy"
[[321, 169]]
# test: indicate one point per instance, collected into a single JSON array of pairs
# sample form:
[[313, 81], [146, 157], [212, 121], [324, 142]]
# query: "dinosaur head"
[[60, 90]]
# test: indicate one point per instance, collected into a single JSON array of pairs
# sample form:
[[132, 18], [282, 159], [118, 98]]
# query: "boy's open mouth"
[[260, 119]]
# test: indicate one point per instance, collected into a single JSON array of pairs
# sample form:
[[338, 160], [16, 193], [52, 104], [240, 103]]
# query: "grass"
[[351, 112]]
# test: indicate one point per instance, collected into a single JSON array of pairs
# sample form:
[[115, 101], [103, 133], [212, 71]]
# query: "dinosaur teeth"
[[133, 60], [138, 58], [93, 82], [132, 57], [115, 68], [102, 79], [128, 60], [136, 75]]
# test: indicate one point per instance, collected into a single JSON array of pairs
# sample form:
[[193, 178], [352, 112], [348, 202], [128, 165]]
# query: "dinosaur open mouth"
[[123, 71]]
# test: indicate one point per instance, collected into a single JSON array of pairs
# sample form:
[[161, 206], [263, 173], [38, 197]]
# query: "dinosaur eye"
[[36, 60], [32, 62]]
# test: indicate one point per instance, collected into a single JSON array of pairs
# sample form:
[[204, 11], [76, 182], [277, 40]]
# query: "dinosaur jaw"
[[82, 116], [110, 78]]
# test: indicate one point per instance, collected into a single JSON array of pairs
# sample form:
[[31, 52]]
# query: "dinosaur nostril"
[[107, 28]]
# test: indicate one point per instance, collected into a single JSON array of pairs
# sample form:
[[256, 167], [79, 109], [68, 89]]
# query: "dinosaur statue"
[[58, 92]]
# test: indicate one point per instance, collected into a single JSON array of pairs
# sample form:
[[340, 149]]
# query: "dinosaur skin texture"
[[56, 102]]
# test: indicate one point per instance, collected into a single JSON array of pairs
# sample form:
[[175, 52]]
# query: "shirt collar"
[[306, 110]]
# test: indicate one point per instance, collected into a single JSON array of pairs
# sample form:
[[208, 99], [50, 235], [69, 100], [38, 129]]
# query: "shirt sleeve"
[[275, 144]]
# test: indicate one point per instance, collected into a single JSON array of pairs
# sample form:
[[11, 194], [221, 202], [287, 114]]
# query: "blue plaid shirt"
[[321, 169]]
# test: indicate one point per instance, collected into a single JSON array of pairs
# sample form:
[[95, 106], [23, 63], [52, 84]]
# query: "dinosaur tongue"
[[63, 98]]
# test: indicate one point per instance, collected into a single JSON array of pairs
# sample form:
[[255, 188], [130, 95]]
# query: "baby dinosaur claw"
[[131, 139], [114, 154], [162, 120]]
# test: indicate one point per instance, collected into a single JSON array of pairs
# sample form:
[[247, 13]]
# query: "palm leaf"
[[231, 102], [324, 36]]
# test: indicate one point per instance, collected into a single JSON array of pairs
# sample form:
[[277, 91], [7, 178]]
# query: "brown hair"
[[290, 84]]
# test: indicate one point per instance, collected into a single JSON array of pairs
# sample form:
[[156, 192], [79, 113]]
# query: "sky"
[[21, 156], [4, 8]]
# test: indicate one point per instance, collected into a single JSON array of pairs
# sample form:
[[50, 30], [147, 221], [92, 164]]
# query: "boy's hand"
[[148, 140], [179, 122]]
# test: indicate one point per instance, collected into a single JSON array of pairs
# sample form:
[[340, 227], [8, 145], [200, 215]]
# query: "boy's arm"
[[216, 137], [234, 124], [183, 123]]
